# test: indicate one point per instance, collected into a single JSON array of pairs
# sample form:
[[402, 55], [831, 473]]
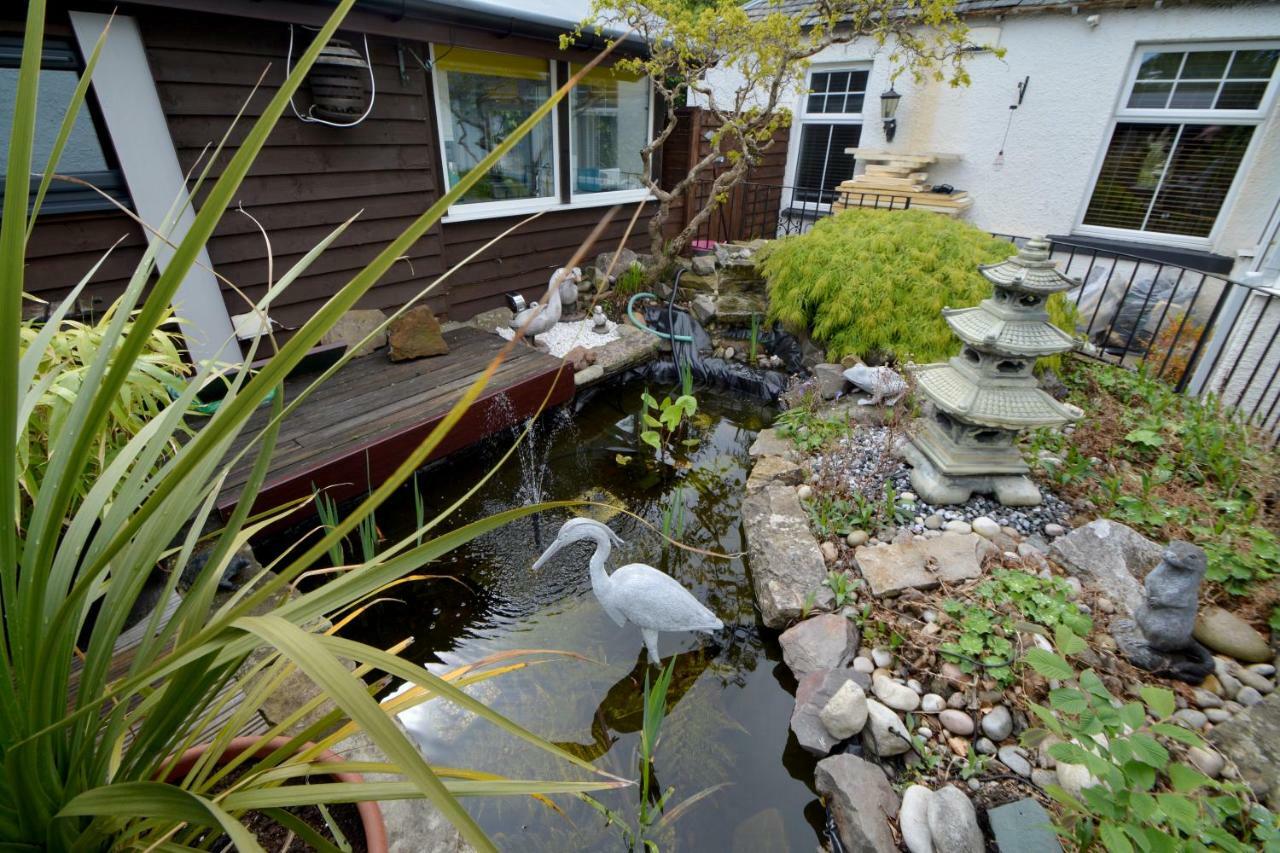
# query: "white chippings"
[[562, 337]]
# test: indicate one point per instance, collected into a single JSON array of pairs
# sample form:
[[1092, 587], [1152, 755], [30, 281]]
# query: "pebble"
[[863, 665], [1043, 778], [1248, 696], [915, 685], [925, 732], [857, 538], [1266, 670], [959, 746], [1014, 757], [1054, 530], [913, 819], [1205, 698], [957, 700], [953, 673], [1191, 718], [804, 492], [830, 551], [1258, 682], [953, 822], [982, 746], [932, 703], [1105, 605], [1217, 715], [882, 657], [897, 696], [958, 526], [985, 527], [1233, 707], [1073, 587], [956, 722], [998, 723], [845, 713], [1206, 761], [933, 522]]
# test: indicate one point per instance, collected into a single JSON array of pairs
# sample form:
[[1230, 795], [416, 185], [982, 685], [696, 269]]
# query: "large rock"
[[1109, 557], [1023, 827], [860, 801], [953, 823], [769, 443], [773, 469], [1251, 739], [920, 564], [913, 819], [354, 326], [884, 735], [416, 334], [786, 564], [822, 642], [813, 693], [830, 380], [1228, 634], [605, 262], [845, 713]]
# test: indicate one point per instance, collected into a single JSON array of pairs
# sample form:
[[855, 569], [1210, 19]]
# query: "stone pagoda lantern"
[[983, 397]]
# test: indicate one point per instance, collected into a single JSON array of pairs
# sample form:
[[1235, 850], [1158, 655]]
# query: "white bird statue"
[[542, 317], [635, 593]]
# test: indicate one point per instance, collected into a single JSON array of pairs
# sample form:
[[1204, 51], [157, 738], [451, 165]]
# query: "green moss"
[[873, 283]]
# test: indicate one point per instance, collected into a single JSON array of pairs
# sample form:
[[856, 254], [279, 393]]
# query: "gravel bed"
[[563, 337]]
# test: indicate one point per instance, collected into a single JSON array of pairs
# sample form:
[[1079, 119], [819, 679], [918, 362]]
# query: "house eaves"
[[979, 8]]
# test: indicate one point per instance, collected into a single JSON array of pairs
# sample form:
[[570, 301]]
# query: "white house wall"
[[1077, 71]]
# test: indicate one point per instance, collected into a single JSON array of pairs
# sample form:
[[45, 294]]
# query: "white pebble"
[[882, 657], [985, 527], [864, 665]]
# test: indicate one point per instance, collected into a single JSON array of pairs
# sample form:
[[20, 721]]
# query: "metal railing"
[[1203, 332]]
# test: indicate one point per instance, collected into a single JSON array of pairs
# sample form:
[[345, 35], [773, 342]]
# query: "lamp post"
[[888, 110]]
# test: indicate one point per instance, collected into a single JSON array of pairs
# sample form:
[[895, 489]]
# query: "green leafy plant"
[[840, 586], [809, 430], [95, 747], [631, 281], [1139, 797], [664, 422], [830, 515], [847, 278], [754, 342]]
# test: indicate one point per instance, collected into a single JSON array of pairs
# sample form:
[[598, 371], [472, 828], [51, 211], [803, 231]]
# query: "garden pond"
[[738, 781]]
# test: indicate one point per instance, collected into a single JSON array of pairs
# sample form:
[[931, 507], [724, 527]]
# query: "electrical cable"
[[311, 119]]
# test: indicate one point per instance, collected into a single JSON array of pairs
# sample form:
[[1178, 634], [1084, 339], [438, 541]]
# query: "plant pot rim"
[[375, 830]]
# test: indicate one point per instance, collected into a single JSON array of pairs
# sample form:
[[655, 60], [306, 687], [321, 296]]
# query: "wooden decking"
[[355, 429]]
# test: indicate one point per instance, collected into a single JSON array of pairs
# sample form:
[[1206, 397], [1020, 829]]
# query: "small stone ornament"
[[599, 322], [1158, 638], [885, 385]]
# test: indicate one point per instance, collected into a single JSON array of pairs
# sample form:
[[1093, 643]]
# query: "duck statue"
[[538, 317]]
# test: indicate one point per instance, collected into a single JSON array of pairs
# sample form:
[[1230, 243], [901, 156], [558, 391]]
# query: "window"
[[481, 97], [609, 121], [1183, 128], [86, 155], [830, 122]]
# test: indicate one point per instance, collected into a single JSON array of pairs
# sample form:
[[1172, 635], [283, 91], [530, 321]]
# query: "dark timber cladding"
[[357, 428]]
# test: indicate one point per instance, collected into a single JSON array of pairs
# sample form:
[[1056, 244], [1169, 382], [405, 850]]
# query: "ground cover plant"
[[87, 754], [873, 283], [1172, 466]]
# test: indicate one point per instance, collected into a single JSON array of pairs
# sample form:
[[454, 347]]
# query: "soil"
[[275, 838]]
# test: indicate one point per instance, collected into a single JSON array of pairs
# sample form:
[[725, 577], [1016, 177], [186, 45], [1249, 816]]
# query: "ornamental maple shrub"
[[873, 283]]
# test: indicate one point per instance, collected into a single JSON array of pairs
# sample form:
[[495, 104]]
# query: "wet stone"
[[1023, 827]]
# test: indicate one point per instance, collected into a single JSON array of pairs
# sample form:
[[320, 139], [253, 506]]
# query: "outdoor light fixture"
[[889, 109]]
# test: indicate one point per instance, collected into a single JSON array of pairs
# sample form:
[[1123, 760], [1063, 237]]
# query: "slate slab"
[[1022, 827], [861, 802], [784, 560], [920, 564], [773, 469]]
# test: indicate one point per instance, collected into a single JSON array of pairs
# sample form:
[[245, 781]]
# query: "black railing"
[[755, 211], [1203, 332]]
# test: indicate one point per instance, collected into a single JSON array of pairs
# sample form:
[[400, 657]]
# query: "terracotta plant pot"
[[375, 831]]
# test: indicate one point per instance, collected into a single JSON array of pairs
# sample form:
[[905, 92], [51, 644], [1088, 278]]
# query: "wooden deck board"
[[356, 428]]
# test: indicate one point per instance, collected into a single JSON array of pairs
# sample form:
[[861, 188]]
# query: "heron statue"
[[647, 598]]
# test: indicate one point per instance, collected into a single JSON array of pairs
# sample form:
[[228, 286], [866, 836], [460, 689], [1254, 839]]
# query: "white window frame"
[[577, 199], [803, 116], [463, 211], [1257, 118]]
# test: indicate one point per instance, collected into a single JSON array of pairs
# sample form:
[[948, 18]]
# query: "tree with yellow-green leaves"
[[762, 57]]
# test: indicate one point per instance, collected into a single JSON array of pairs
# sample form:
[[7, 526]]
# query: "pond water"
[[725, 742]]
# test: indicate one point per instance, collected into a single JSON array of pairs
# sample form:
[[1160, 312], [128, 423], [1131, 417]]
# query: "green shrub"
[[873, 283]]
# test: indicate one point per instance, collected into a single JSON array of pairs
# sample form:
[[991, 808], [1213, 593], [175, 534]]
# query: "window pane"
[[1241, 96], [1130, 173], [1159, 66], [817, 103], [1205, 64], [1254, 63], [1150, 95], [609, 120], [858, 81], [1200, 173], [818, 82], [839, 81], [483, 98], [83, 152], [1190, 96], [823, 163], [853, 103]]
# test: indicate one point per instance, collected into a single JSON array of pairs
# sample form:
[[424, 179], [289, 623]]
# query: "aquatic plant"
[[873, 283], [664, 422], [89, 753]]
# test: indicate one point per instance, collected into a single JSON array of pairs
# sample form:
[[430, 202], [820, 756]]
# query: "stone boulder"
[[884, 735], [773, 469], [828, 641], [605, 260], [353, 327], [830, 380], [812, 695], [786, 564], [1109, 557], [920, 564], [861, 803], [1251, 739], [1023, 827], [953, 823], [416, 334], [1226, 633], [769, 443]]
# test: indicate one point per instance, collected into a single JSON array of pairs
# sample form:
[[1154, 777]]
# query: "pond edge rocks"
[[787, 567]]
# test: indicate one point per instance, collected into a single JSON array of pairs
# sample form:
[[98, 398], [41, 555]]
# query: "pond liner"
[[776, 341]]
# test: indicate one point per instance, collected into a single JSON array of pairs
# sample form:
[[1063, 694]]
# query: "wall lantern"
[[889, 109]]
